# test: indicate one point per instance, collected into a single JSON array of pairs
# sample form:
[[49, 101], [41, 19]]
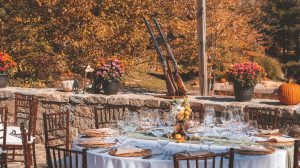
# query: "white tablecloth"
[[13, 136], [99, 160]]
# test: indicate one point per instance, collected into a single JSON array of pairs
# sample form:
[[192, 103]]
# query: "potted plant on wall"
[[244, 78], [6, 65], [110, 72]]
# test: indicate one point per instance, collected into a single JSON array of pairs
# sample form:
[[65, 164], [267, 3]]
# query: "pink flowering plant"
[[245, 75], [110, 69]]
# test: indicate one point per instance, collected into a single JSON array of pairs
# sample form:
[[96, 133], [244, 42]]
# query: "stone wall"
[[81, 105]]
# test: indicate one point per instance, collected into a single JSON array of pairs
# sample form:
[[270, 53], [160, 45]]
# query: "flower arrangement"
[[181, 110], [6, 63], [110, 69], [245, 75]]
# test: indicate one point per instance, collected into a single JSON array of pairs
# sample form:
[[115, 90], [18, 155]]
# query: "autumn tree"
[[51, 37]]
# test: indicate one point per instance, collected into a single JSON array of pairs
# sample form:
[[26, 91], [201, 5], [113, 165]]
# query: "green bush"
[[272, 67]]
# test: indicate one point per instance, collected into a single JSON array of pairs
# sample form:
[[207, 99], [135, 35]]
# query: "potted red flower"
[[244, 78], [6, 65], [110, 72]]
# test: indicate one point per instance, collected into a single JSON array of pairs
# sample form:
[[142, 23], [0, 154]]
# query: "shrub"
[[293, 70], [272, 67]]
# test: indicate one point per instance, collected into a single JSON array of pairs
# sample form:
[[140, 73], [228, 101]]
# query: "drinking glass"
[[252, 127], [133, 122], [226, 117], [114, 129], [123, 130], [145, 120], [190, 128], [209, 114], [217, 121], [162, 142], [209, 138]]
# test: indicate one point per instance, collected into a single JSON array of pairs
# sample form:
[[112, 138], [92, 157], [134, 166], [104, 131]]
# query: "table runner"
[[224, 142]]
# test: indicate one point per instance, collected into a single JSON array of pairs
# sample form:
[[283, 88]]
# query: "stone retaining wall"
[[81, 105]]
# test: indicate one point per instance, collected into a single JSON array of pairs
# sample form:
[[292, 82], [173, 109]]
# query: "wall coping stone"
[[139, 100]]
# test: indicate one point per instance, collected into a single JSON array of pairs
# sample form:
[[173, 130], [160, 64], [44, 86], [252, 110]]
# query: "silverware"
[[152, 156], [104, 151], [108, 149]]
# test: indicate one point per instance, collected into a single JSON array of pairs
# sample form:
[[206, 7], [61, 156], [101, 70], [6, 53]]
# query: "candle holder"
[[88, 69]]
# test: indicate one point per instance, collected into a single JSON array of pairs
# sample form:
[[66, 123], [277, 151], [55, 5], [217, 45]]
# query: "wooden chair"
[[198, 112], [57, 132], [57, 142], [205, 158], [108, 113], [66, 158], [26, 146], [297, 154], [3, 122], [266, 118], [26, 107]]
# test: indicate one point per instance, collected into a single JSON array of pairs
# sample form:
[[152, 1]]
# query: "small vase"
[[243, 94], [3, 80], [111, 88]]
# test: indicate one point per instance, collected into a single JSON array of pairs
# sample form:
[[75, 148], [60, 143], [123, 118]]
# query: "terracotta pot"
[[111, 88], [243, 94], [3, 80]]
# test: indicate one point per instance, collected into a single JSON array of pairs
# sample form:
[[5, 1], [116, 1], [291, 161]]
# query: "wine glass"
[[113, 127], [145, 120], [209, 114], [209, 138], [133, 122], [162, 142], [252, 127], [218, 123], [226, 117], [190, 129]]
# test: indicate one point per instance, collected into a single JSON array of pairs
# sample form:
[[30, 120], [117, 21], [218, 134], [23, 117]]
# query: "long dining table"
[[99, 157]]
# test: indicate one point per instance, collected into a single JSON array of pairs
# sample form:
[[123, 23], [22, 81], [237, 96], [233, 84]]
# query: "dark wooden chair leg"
[[34, 155]]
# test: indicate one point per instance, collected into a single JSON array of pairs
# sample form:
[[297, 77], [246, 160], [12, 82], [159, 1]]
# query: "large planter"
[[111, 88], [243, 94], [3, 80]]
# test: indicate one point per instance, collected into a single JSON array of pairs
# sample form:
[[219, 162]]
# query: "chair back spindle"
[[297, 154], [3, 133], [266, 118], [26, 147], [26, 107], [204, 159], [107, 113], [57, 132]]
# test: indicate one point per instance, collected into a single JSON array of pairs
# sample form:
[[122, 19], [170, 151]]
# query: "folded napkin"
[[268, 132], [102, 130], [253, 148], [99, 132], [121, 151], [93, 142], [280, 139]]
